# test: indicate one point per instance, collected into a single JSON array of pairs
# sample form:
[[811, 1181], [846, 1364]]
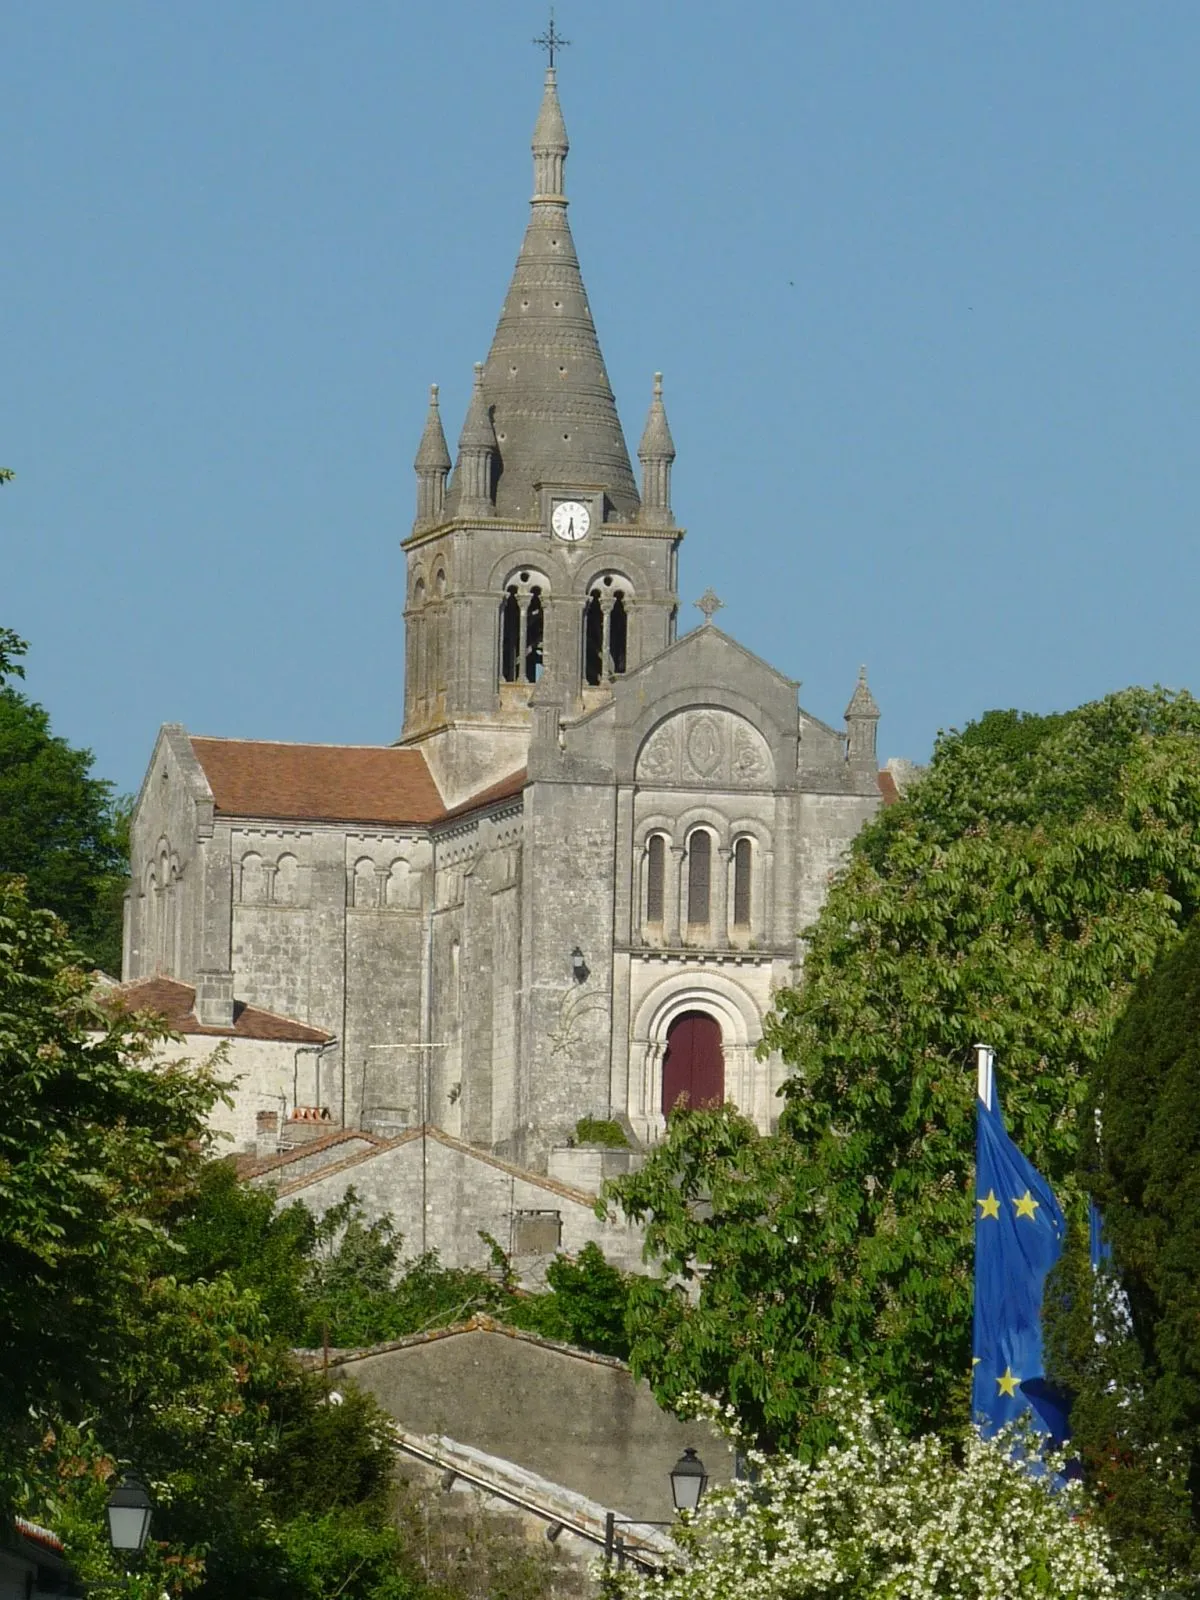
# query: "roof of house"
[[888, 787], [277, 1165], [176, 1002], [478, 1323], [383, 785]]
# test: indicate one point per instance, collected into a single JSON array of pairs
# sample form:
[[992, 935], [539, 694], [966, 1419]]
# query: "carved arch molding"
[[709, 747]]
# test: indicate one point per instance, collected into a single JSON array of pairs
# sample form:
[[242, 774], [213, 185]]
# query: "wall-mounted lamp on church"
[[579, 967]]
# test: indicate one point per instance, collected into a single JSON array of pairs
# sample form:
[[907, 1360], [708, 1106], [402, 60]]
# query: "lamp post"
[[689, 1478], [129, 1508]]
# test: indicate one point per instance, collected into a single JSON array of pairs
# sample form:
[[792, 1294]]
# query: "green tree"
[[347, 1278], [94, 1142], [587, 1305], [1030, 877], [1128, 1340], [60, 828], [225, 1228]]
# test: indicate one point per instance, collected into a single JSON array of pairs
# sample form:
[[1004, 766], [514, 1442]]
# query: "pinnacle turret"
[[432, 452], [862, 720], [862, 701], [431, 466], [656, 453], [474, 474]]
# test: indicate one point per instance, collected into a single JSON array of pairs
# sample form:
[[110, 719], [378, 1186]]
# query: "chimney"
[[214, 999]]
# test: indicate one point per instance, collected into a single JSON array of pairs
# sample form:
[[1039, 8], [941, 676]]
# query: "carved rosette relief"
[[709, 748]]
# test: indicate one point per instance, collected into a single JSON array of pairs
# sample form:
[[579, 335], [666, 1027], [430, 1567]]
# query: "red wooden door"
[[694, 1066]]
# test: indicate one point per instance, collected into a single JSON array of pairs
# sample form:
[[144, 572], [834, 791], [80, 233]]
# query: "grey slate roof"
[[551, 403]]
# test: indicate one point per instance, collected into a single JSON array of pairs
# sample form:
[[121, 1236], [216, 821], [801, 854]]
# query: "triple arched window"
[[702, 892]]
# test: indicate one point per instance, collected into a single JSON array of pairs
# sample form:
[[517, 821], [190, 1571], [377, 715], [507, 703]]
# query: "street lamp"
[[688, 1480], [129, 1507]]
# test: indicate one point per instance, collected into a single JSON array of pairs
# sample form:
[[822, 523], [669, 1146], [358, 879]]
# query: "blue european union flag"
[[1019, 1235]]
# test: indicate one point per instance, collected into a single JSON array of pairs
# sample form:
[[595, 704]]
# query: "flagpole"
[[985, 1058]]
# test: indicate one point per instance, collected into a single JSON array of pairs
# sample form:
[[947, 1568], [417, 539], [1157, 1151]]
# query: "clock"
[[570, 520]]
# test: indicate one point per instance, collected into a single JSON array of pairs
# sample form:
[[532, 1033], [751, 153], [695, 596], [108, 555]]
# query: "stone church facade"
[[572, 885]]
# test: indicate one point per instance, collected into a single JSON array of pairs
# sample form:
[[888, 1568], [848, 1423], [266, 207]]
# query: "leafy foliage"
[[874, 1516], [1030, 877], [603, 1131], [346, 1279], [93, 1145], [60, 827], [1136, 1417]]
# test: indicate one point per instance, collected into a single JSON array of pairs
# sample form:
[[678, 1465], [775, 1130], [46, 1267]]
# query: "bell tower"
[[538, 562]]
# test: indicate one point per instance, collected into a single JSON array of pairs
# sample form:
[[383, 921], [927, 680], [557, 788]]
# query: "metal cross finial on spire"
[[709, 604], [552, 40]]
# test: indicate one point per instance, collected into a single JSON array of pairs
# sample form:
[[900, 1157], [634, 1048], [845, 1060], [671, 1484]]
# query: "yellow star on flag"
[[1008, 1383], [988, 1205], [1026, 1206]]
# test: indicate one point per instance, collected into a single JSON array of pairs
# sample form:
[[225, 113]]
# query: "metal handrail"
[[557, 1518]]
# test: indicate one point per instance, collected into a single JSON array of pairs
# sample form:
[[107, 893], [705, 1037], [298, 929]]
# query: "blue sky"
[[922, 279]]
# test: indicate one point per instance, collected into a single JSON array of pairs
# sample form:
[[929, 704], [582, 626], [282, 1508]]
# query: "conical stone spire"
[[656, 453], [551, 402], [431, 466], [474, 474]]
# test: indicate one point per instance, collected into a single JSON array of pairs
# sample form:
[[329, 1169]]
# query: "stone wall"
[[580, 1420], [442, 1195]]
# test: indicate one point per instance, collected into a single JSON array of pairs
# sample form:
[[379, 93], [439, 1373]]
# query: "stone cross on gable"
[[709, 604]]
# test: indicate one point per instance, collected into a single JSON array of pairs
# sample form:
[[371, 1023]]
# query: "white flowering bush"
[[877, 1516]]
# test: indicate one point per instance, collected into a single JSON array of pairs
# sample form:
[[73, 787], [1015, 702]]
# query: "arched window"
[[287, 880], [743, 861], [656, 876], [535, 624], [366, 883], [522, 628], [253, 879], [605, 631], [510, 635], [593, 640], [618, 633], [699, 877], [417, 632]]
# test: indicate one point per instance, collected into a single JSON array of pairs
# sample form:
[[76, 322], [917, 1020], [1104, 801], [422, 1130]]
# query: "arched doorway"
[[693, 1069]]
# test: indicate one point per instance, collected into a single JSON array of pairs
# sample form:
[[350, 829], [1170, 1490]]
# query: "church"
[[571, 886]]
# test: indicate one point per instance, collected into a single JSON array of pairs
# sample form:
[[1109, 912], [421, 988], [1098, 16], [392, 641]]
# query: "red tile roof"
[[318, 782], [176, 1002], [887, 787], [39, 1535], [376, 784]]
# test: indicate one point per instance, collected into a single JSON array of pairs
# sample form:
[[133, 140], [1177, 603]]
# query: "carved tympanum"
[[708, 748]]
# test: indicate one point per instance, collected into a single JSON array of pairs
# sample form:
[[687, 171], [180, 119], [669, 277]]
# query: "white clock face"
[[571, 520]]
